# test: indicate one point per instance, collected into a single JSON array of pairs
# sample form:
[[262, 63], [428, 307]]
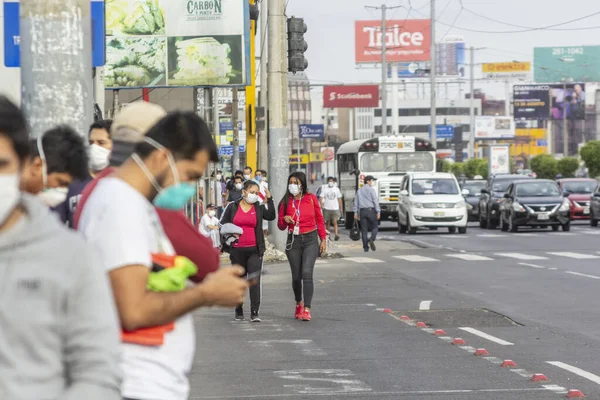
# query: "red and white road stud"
[[421, 324], [386, 310], [459, 342], [439, 332], [508, 364], [405, 318], [539, 378], [481, 352], [574, 394]]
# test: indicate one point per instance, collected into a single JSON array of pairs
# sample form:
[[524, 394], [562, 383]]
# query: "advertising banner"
[[312, 131], [499, 162], [553, 64], [540, 102], [494, 128], [328, 153], [406, 40], [351, 96], [175, 43], [569, 99], [531, 102], [507, 70]]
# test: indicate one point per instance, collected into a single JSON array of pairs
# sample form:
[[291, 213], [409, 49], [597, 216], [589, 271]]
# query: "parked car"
[[431, 200], [595, 207], [492, 196], [580, 195], [473, 187], [537, 202]]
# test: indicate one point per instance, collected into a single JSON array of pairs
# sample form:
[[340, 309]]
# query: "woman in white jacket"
[[209, 225]]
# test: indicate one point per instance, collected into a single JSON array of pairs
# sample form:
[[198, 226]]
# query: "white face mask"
[[98, 157], [212, 213], [53, 197], [9, 194], [247, 177], [251, 198], [294, 189], [219, 177], [331, 184], [238, 186]]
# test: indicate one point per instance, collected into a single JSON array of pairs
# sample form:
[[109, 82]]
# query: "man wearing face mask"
[[59, 325], [235, 193], [247, 173], [209, 225], [248, 214], [331, 203], [368, 212], [119, 217], [56, 159]]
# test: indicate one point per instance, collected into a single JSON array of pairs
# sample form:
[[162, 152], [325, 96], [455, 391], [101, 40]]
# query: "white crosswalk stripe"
[[591, 232], [578, 256], [363, 260], [416, 258], [563, 234], [491, 235], [521, 256], [470, 257]]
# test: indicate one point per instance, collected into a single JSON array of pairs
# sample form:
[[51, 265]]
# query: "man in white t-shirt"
[[331, 203], [119, 219]]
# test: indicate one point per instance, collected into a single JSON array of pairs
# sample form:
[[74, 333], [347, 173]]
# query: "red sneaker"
[[299, 311], [306, 315]]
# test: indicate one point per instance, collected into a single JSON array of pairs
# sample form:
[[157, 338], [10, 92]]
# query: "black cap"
[[210, 205], [370, 178]]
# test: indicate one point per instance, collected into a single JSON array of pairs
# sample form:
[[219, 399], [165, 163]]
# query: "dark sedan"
[[474, 187], [492, 196], [535, 203]]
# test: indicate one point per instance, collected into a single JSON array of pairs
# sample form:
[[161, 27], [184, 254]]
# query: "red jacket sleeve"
[[281, 224], [188, 242], [320, 220]]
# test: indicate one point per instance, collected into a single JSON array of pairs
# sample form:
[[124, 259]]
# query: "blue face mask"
[[258, 178], [175, 197]]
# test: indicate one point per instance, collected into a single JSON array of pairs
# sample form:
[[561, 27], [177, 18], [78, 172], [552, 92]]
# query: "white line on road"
[[415, 258], [577, 256], [553, 269], [486, 336], [591, 232], [470, 257], [425, 305], [521, 256], [528, 234], [532, 265], [563, 234], [556, 389], [491, 235], [577, 371], [363, 260], [584, 275]]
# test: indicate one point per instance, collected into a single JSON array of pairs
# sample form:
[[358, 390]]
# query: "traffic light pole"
[[432, 73], [279, 139], [263, 156], [235, 104]]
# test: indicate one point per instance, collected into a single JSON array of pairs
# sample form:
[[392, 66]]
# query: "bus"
[[387, 158]]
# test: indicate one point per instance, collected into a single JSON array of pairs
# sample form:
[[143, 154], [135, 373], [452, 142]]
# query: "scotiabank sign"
[[406, 40], [351, 96]]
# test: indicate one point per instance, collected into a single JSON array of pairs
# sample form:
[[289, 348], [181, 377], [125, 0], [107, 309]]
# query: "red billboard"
[[406, 40], [351, 96]]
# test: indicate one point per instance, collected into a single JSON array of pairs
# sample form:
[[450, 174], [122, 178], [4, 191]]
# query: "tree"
[[444, 166], [545, 166], [567, 166], [476, 166], [590, 154], [456, 169]]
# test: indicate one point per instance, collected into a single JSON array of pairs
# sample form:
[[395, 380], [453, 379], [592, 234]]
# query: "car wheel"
[[462, 230], [452, 229], [490, 224], [593, 221], [409, 229], [401, 228], [566, 227], [512, 225], [555, 228], [482, 222], [503, 226]]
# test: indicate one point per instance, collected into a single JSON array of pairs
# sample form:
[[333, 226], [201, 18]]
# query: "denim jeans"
[[302, 255]]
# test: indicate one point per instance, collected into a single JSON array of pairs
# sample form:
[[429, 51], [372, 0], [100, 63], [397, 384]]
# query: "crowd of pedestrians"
[[101, 268]]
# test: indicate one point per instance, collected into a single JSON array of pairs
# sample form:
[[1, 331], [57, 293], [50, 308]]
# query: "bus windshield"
[[397, 162]]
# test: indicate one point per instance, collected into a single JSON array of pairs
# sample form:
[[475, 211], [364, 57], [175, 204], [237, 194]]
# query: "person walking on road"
[[248, 251], [300, 214], [209, 225], [331, 202], [368, 212], [235, 193]]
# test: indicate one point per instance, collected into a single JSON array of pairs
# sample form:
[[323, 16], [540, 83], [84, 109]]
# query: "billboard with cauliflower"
[[188, 43]]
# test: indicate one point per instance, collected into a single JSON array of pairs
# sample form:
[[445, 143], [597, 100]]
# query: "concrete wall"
[[171, 99]]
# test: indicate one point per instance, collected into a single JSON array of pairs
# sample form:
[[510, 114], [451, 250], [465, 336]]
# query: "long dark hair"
[[300, 176]]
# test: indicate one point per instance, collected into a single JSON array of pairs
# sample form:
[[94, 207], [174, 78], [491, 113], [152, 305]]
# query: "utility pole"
[[472, 102], [236, 129], [56, 64], [433, 72], [279, 139], [383, 71], [263, 149], [564, 121]]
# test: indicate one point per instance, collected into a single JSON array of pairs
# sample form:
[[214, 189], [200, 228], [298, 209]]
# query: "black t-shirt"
[[234, 195]]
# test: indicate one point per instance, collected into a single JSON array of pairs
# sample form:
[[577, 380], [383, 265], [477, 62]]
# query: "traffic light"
[[297, 46]]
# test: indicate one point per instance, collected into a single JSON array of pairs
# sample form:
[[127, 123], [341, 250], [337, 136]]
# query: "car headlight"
[[565, 206], [460, 204], [517, 207], [415, 204], [469, 207]]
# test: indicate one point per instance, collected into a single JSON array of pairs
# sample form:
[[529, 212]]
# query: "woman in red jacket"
[[300, 214]]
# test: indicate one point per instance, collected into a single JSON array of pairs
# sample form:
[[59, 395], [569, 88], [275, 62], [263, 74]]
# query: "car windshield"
[[434, 186], [583, 187], [501, 185], [474, 188], [419, 161], [537, 189]]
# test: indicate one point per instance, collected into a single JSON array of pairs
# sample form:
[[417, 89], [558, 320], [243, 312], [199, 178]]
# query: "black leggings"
[[302, 256], [248, 258]]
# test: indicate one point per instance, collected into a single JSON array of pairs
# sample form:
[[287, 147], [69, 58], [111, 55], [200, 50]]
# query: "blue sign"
[[12, 33], [226, 150], [225, 126], [542, 143], [312, 131], [242, 148], [443, 131]]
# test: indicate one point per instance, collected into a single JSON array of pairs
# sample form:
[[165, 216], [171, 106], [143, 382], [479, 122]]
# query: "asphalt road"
[[530, 297]]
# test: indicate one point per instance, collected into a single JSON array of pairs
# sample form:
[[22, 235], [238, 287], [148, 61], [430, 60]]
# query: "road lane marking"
[[321, 262], [532, 265], [584, 275], [363, 260], [491, 235], [470, 257], [415, 258], [577, 371], [577, 256], [528, 234], [310, 381], [306, 346], [521, 256], [553, 269], [556, 389], [486, 336], [563, 234], [591, 232], [425, 305]]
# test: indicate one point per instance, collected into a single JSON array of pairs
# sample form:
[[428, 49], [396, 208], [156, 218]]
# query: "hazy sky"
[[330, 34]]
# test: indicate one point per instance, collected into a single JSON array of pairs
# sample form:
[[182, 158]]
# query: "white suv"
[[431, 200]]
